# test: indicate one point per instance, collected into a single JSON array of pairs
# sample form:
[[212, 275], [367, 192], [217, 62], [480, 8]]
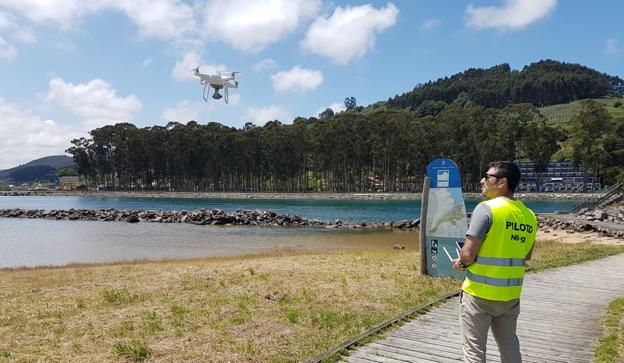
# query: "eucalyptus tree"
[[586, 131], [539, 143], [613, 144], [82, 153]]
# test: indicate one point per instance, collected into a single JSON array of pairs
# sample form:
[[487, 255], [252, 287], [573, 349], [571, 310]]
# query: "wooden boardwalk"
[[559, 320]]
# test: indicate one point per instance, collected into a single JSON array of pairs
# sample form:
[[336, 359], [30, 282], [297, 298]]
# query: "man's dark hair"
[[509, 170]]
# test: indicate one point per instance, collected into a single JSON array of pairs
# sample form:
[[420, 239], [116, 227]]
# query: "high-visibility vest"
[[498, 270]]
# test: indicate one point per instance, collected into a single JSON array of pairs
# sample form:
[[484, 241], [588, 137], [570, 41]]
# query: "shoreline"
[[281, 196]]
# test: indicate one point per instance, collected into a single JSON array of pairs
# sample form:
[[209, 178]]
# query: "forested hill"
[[543, 83], [373, 148], [37, 168]]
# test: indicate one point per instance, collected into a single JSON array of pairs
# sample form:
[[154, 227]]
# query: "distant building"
[[559, 176], [71, 183]]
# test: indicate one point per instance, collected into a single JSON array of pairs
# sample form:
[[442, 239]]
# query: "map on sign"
[[446, 214], [446, 222]]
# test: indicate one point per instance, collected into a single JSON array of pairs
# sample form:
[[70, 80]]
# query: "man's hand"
[[457, 266]]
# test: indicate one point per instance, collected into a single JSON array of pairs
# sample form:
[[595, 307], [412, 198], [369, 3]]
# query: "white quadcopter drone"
[[217, 81]]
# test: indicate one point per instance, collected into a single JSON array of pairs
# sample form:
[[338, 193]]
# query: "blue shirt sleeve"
[[480, 221]]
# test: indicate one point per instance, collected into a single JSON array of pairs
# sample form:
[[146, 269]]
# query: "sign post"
[[443, 221]]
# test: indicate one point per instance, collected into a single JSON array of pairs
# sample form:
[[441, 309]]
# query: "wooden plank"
[[562, 345], [360, 356], [414, 346], [557, 353], [559, 320], [413, 355], [356, 359]]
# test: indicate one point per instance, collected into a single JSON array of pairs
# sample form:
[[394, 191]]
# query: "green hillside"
[[559, 113], [562, 113], [543, 83], [611, 104], [38, 169]]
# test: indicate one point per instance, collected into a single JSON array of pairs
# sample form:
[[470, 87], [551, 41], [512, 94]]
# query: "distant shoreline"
[[281, 196]]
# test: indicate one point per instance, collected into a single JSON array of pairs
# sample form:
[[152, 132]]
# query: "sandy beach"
[[577, 237]]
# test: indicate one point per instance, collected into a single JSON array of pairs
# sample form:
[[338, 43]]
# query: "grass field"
[[277, 308], [610, 348]]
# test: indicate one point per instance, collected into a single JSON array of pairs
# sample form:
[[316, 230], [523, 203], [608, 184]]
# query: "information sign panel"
[[446, 223]]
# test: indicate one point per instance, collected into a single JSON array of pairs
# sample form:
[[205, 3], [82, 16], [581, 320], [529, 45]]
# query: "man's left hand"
[[457, 266]]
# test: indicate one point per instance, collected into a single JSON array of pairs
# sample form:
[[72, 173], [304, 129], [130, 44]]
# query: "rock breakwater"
[[608, 222], [198, 217]]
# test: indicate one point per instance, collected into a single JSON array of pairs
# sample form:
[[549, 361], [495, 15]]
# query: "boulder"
[[600, 215], [132, 219]]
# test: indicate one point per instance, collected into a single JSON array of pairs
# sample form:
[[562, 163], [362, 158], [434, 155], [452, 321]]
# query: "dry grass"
[[281, 308], [269, 309]]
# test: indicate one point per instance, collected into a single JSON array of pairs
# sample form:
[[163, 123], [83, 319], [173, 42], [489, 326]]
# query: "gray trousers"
[[477, 316]]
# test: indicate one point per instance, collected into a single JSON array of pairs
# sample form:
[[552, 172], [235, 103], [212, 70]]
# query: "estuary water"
[[36, 242], [40, 242], [323, 210]]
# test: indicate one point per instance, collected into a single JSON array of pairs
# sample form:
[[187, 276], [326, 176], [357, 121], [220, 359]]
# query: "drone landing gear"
[[216, 95], [204, 95]]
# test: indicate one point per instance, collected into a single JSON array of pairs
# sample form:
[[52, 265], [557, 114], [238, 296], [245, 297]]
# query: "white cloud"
[[337, 107], [265, 64], [7, 21], [514, 14], [158, 18], [147, 62], [163, 18], [349, 32], [430, 24], [183, 69], [297, 80], [199, 111], [7, 51], [95, 102], [63, 13], [252, 25], [26, 136], [611, 46], [260, 115], [183, 112], [24, 36]]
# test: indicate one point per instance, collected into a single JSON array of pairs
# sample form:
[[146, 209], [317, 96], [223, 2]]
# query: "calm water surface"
[[325, 210], [32, 242], [38, 242]]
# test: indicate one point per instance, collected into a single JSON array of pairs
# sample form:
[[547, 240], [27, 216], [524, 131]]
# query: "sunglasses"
[[488, 175]]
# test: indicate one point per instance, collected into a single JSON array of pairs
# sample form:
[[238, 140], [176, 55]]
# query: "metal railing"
[[596, 200]]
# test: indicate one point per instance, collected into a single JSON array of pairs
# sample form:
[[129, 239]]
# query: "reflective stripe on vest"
[[500, 261], [499, 267], [494, 281]]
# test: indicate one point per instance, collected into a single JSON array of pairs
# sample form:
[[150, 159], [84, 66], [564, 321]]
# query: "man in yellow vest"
[[499, 240]]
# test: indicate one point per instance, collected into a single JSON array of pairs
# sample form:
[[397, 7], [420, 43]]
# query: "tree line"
[[352, 151], [543, 83]]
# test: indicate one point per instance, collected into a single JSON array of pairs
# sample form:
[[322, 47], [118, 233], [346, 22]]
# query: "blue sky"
[[68, 66]]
